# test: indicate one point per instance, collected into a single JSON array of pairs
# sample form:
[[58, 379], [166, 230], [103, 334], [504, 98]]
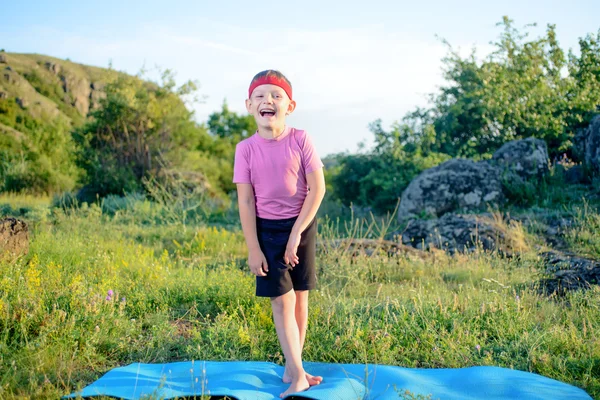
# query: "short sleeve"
[[310, 159], [241, 165]]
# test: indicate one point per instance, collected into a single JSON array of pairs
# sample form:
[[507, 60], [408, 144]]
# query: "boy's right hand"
[[258, 263]]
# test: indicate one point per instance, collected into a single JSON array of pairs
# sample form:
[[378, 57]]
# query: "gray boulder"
[[453, 185], [587, 144], [528, 158], [456, 233]]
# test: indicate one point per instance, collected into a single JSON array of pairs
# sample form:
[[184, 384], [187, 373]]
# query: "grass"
[[583, 236], [185, 293]]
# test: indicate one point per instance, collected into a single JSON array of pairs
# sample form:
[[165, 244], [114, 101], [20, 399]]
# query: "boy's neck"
[[271, 133]]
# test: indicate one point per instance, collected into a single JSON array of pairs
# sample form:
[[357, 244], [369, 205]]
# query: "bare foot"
[[312, 380], [299, 386]]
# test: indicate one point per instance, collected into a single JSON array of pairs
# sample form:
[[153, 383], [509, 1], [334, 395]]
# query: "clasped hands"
[[258, 262]]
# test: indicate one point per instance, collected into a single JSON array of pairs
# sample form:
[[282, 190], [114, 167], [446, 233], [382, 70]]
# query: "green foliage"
[[138, 129], [227, 124], [42, 161], [227, 128], [583, 235], [12, 115], [519, 191], [517, 92]]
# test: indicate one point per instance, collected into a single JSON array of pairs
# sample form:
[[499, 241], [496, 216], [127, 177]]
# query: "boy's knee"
[[282, 302], [277, 302]]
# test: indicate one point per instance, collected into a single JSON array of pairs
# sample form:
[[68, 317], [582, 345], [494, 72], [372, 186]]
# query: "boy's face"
[[270, 104]]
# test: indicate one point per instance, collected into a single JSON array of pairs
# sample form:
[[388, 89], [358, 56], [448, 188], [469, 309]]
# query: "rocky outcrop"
[[79, 89], [566, 273], [23, 103], [453, 185], [369, 247], [96, 94], [14, 238], [53, 67], [461, 184], [9, 76], [528, 158], [458, 233], [587, 144]]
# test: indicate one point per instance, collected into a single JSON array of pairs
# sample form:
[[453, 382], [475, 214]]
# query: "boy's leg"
[[302, 323], [284, 316]]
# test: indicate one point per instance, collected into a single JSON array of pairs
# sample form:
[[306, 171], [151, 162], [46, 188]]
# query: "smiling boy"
[[280, 186]]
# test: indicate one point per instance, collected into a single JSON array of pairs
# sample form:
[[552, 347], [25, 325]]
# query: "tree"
[[139, 128], [229, 125], [520, 90], [227, 128]]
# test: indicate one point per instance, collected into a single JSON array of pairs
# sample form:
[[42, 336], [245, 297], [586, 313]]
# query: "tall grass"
[[100, 289], [584, 236]]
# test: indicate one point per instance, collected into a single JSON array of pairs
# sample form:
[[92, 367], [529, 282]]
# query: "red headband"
[[271, 80]]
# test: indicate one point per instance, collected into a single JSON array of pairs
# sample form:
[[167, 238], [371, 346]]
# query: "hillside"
[[48, 89], [44, 141]]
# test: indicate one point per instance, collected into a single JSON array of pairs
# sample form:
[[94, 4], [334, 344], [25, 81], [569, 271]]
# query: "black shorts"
[[273, 235]]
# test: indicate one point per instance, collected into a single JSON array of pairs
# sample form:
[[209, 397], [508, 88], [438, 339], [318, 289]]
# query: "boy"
[[280, 186]]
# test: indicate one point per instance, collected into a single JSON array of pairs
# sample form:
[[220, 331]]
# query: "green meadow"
[[123, 281]]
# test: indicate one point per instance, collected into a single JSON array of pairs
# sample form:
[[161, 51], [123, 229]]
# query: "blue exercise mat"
[[262, 381]]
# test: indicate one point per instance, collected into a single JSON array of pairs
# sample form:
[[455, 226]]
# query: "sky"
[[350, 62]]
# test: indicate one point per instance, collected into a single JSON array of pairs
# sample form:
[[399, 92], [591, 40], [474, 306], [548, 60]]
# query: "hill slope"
[[48, 88]]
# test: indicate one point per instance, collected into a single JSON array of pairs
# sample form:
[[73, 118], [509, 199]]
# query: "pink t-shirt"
[[277, 170]]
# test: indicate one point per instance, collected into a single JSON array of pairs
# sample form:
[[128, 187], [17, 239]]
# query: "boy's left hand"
[[290, 257]]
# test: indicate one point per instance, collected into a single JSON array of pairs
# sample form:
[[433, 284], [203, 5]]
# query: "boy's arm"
[[312, 202], [246, 203]]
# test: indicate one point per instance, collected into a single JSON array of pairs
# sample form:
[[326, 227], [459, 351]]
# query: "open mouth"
[[267, 113]]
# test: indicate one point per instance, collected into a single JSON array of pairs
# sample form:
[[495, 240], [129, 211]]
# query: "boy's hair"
[[268, 73], [271, 76]]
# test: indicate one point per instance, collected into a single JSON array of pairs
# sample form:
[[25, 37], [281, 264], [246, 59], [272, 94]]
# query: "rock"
[[97, 85], [370, 247], [587, 144], [23, 103], [14, 238], [457, 233], [3, 95], [453, 185], [3, 59], [567, 273], [8, 77], [528, 158], [53, 67], [79, 90], [97, 93]]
